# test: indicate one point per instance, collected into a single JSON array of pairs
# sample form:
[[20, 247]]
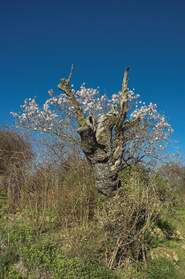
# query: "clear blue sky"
[[41, 39]]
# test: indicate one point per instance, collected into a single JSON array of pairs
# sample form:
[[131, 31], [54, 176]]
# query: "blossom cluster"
[[151, 135], [33, 117]]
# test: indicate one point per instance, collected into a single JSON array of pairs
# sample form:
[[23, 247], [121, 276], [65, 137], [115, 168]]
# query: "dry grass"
[[65, 196], [15, 152]]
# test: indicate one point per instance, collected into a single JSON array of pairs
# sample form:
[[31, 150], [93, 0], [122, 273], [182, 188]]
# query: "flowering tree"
[[114, 132]]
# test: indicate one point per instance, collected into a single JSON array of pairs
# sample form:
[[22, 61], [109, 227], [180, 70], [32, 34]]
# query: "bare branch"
[[123, 100], [71, 73], [125, 81], [65, 85]]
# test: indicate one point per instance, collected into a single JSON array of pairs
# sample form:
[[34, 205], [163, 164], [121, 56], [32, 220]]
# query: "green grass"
[[28, 252]]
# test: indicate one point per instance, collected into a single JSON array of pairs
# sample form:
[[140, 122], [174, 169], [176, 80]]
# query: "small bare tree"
[[14, 152]]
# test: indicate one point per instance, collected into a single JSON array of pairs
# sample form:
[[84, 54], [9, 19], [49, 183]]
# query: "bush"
[[63, 196], [14, 149], [167, 228], [15, 152], [127, 218]]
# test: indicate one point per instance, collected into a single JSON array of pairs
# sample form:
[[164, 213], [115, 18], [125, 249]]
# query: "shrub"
[[15, 152], [127, 217], [167, 228], [65, 196], [14, 149]]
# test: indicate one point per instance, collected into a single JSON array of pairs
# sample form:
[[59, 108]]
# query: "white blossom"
[[151, 133]]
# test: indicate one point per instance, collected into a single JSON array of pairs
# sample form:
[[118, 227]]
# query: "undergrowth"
[[60, 227]]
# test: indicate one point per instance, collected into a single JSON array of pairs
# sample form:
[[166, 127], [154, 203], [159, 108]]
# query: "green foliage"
[[167, 227], [7, 258], [17, 233], [39, 253], [159, 268], [13, 274], [162, 268], [47, 255], [74, 268], [3, 198]]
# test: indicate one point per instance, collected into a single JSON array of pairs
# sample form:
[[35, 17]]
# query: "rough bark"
[[96, 145], [107, 181]]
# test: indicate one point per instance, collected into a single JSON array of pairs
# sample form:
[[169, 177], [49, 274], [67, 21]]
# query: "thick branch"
[[119, 128], [123, 101], [65, 85]]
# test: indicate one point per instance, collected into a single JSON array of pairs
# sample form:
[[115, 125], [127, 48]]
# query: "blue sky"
[[41, 39]]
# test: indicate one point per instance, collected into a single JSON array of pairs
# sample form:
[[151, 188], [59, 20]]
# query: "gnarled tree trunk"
[[102, 138], [100, 151]]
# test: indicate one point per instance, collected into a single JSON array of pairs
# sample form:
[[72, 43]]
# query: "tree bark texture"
[[99, 147]]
